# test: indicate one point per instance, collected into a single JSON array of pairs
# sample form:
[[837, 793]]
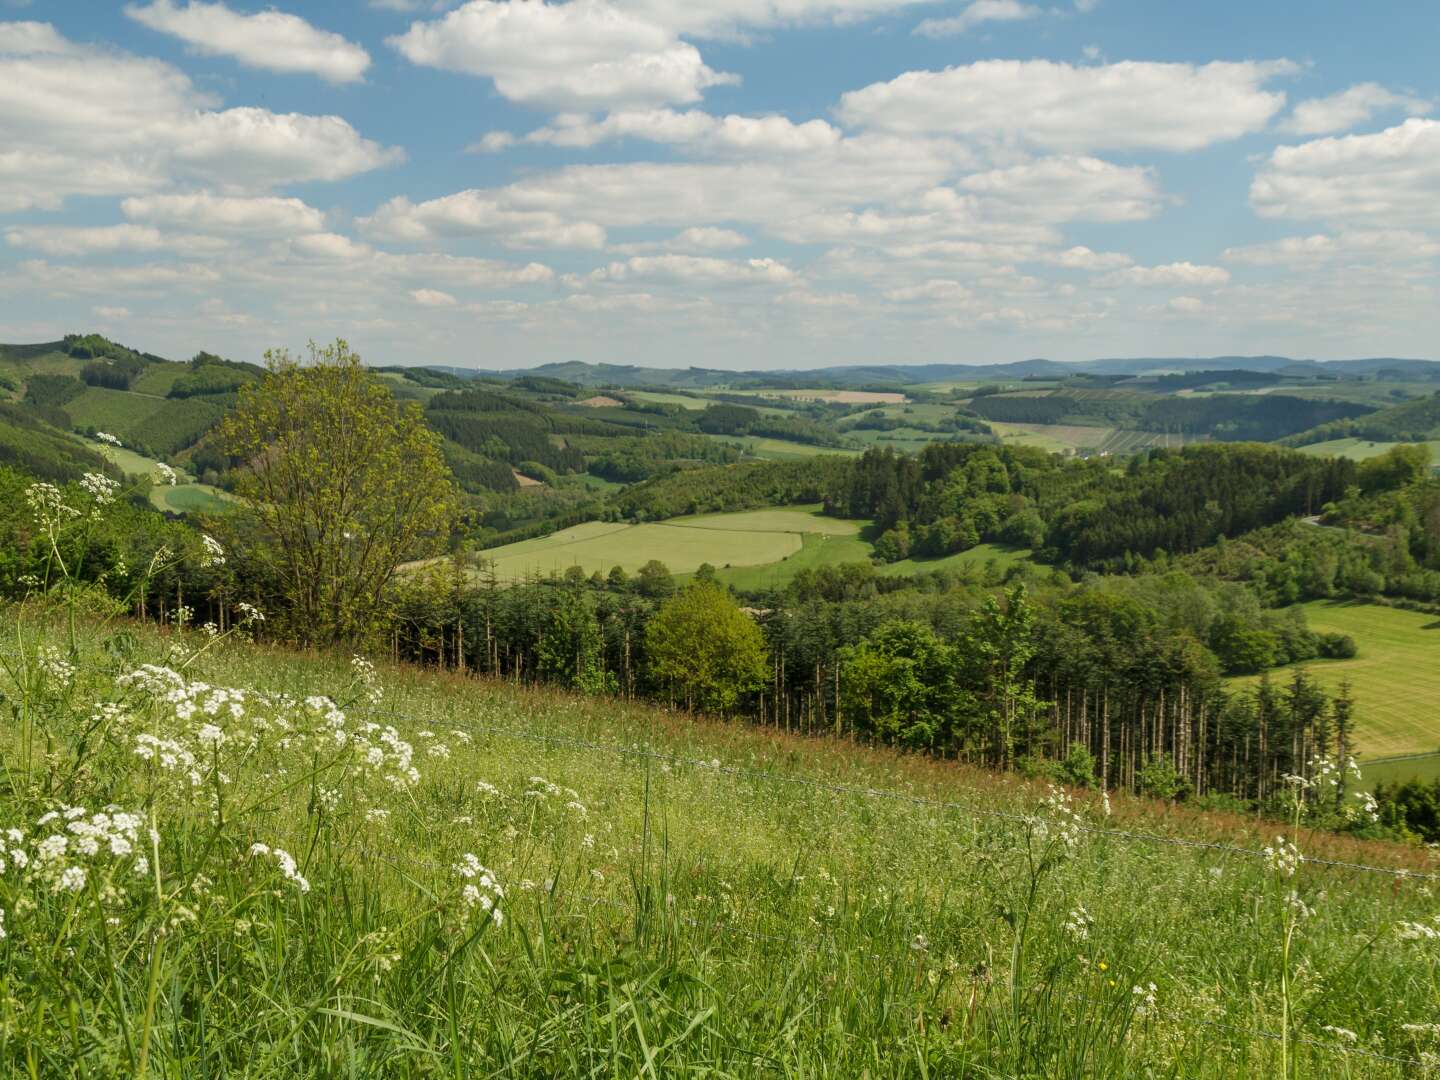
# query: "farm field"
[[185, 497], [659, 397], [1395, 676], [977, 557], [115, 411], [1361, 449], [780, 449], [1054, 438], [681, 547], [677, 896]]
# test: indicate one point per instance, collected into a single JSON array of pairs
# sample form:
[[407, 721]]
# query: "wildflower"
[[55, 666], [72, 879], [1282, 857], [1413, 931], [107, 438], [211, 553], [486, 788], [211, 736], [1298, 906], [167, 474], [1078, 923], [48, 505], [920, 943], [249, 613], [1343, 1034], [480, 889], [100, 488], [286, 862], [377, 814], [1145, 999]]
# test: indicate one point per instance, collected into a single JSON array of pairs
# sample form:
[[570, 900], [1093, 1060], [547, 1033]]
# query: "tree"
[[704, 650], [899, 685], [654, 580], [339, 482]]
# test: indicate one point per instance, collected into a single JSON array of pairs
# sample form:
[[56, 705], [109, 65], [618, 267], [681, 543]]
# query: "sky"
[[741, 184]]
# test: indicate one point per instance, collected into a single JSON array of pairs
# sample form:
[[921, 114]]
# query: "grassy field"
[[1395, 676], [1360, 449], [115, 411], [780, 449], [676, 896], [661, 398], [1056, 438], [978, 557], [185, 497], [751, 545]]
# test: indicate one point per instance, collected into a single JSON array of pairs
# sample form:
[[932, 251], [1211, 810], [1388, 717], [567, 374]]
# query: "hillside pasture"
[[1055, 438], [115, 411], [1395, 676], [1363, 449], [679, 896], [751, 544], [977, 558]]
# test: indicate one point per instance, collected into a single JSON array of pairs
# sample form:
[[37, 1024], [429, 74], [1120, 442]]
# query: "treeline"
[[1228, 417], [1117, 682], [1414, 421], [1083, 513]]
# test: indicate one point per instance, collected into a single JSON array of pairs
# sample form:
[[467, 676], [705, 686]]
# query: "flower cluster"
[[48, 505], [363, 672], [100, 488], [167, 474], [1414, 931], [1144, 998], [211, 553], [107, 438], [1078, 923], [1282, 857], [285, 862], [54, 666], [1062, 817], [72, 844], [480, 889]]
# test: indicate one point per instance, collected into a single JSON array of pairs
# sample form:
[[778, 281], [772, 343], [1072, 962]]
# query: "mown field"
[[1395, 676], [682, 544], [303, 893]]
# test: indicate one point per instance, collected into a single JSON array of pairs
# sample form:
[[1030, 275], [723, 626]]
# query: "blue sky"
[[728, 183]]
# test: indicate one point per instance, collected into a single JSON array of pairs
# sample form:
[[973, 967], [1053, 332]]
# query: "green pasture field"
[[1055, 438], [678, 896], [661, 398], [978, 557], [1362, 449], [185, 497], [1395, 676], [115, 411], [158, 379], [780, 449]]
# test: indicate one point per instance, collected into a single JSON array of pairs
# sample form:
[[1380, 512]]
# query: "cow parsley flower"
[[286, 864], [211, 553], [167, 474], [479, 889], [107, 438]]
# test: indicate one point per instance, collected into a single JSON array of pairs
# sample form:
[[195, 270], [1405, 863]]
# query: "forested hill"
[[1413, 421]]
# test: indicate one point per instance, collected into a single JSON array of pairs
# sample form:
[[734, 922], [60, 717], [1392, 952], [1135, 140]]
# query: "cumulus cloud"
[[88, 121], [978, 13], [1070, 189], [1390, 177], [1391, 245], [266, 215], [481, 213], [693, 128], [708, 238], [693, 269], [1348, 109], [1171, 275], [269, 40], [1123, 106], [432, 298], [585, 54], [107, 239]]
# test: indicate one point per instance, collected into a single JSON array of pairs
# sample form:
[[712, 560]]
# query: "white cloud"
[[978, 13], [585, 54], [1082, 258], [936, 290], [727, 18], [708, 238], [31, 39], [1348, 109], [1070, 189], [432, 298], [105, 312], [1188, 305], [270, 40], [1388, 245], [1128, 105], [107, 239], [692, 269], [693, 128], [329, 246], [480, 213], [89, 121], [267, 215], [1172, 275], [1391, 178]]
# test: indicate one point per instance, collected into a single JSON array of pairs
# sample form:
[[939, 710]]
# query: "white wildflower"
[[167, 474], [211, 553], [106, 437]]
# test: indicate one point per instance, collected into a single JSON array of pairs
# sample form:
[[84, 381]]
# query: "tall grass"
[[656, 918]]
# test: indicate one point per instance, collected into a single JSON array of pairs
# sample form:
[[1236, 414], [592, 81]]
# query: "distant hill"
[[1413, 421], [696, 378]]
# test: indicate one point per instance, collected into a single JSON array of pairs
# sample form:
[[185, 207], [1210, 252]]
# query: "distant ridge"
[[596, 375]]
